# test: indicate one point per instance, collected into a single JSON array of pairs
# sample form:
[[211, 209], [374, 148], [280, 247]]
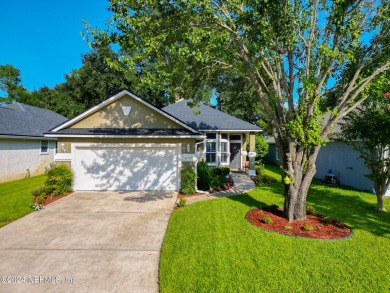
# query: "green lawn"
[[15, 198], [210, 247]]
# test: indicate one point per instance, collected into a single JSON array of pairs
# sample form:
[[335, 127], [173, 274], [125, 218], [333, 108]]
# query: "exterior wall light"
[[62, 148], [188, 148]]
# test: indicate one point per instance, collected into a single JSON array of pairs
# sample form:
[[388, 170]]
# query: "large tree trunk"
[[380, 187], [380, 205], [299, 165]]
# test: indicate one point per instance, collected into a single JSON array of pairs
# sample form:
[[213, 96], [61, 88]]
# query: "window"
[[225, 154], [224, 136], [211, 135], [235, 137], [44, 146], [211, 151]]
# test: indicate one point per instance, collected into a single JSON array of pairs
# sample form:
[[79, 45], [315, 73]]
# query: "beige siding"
[[141, 116]]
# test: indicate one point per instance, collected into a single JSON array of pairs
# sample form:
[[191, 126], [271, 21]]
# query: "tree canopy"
[[289, 54]]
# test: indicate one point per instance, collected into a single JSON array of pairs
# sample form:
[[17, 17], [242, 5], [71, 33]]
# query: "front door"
[[235, 155]]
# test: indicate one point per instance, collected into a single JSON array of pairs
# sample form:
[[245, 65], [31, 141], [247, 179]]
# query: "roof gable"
[[209, 118], [109, 114]]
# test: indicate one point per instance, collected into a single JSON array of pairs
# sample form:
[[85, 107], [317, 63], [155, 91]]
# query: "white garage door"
[[125, 168]]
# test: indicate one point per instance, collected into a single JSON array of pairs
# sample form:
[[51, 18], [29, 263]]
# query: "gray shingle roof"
[[24, 120], [208, 118], [124, 131]]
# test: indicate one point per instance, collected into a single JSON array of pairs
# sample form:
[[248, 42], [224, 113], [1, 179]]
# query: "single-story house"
[[24, 150], [125, 143], [226, 136], [338, 157]]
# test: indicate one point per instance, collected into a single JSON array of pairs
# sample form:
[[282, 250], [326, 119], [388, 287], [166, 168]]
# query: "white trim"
[[28, 137], [125, 136], [229, 131], [113, 99]]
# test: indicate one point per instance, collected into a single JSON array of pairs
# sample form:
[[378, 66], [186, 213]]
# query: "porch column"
[[252, 141]]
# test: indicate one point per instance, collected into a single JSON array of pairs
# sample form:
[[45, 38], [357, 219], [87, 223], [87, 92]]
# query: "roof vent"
[[126, 110]]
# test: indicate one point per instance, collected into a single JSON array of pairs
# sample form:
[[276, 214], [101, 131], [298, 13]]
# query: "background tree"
[[92, 83], [289, 52], [10, 83], [261, 147], [367, 129]]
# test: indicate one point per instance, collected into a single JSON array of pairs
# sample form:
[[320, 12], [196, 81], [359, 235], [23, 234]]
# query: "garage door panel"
[[125, 169]]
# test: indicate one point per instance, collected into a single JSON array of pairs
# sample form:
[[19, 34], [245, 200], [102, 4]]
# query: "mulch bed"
[[321, 229], [49, 199]]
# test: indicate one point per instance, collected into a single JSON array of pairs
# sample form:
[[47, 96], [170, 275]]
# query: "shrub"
[[273, 207], [217, 180], [267, 220], [261, 147], [188, 178], [38, 191], [259, 167], [327, 220], [41, 199], [223, 171], [59, 180], [263, 179], [310, 209], [288, 227], [182, 202], [205, 176], [308, 227]]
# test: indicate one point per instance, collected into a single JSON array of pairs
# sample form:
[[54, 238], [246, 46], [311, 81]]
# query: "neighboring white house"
[[24, 150]]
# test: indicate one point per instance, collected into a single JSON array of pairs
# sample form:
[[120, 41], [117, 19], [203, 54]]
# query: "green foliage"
[[15, 198], [288, 227], [38, 191], [59, 180], [96, 80], [261, 147], [310, 209], [263, 179], [10, 84], [188, 180], [41, 199], [283, 56], [368, 130], [267, 220], [327, 220], [205, 176], [308, 227], [223, 171], [245, 250], [182, 202]]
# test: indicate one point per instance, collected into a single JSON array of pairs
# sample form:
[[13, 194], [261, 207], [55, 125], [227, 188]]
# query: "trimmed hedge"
[[188, 178]]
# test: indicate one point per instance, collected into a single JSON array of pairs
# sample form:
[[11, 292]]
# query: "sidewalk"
[[242, 183]]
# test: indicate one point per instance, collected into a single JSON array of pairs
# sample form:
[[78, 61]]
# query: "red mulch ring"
[[321, 229], [49, 199]]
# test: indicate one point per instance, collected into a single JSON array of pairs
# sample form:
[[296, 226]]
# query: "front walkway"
[[242, 184]]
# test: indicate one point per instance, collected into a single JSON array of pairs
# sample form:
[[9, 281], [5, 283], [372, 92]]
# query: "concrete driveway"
[[87, 242]]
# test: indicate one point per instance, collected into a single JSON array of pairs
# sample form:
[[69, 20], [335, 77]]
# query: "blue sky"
[[42, 38]]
